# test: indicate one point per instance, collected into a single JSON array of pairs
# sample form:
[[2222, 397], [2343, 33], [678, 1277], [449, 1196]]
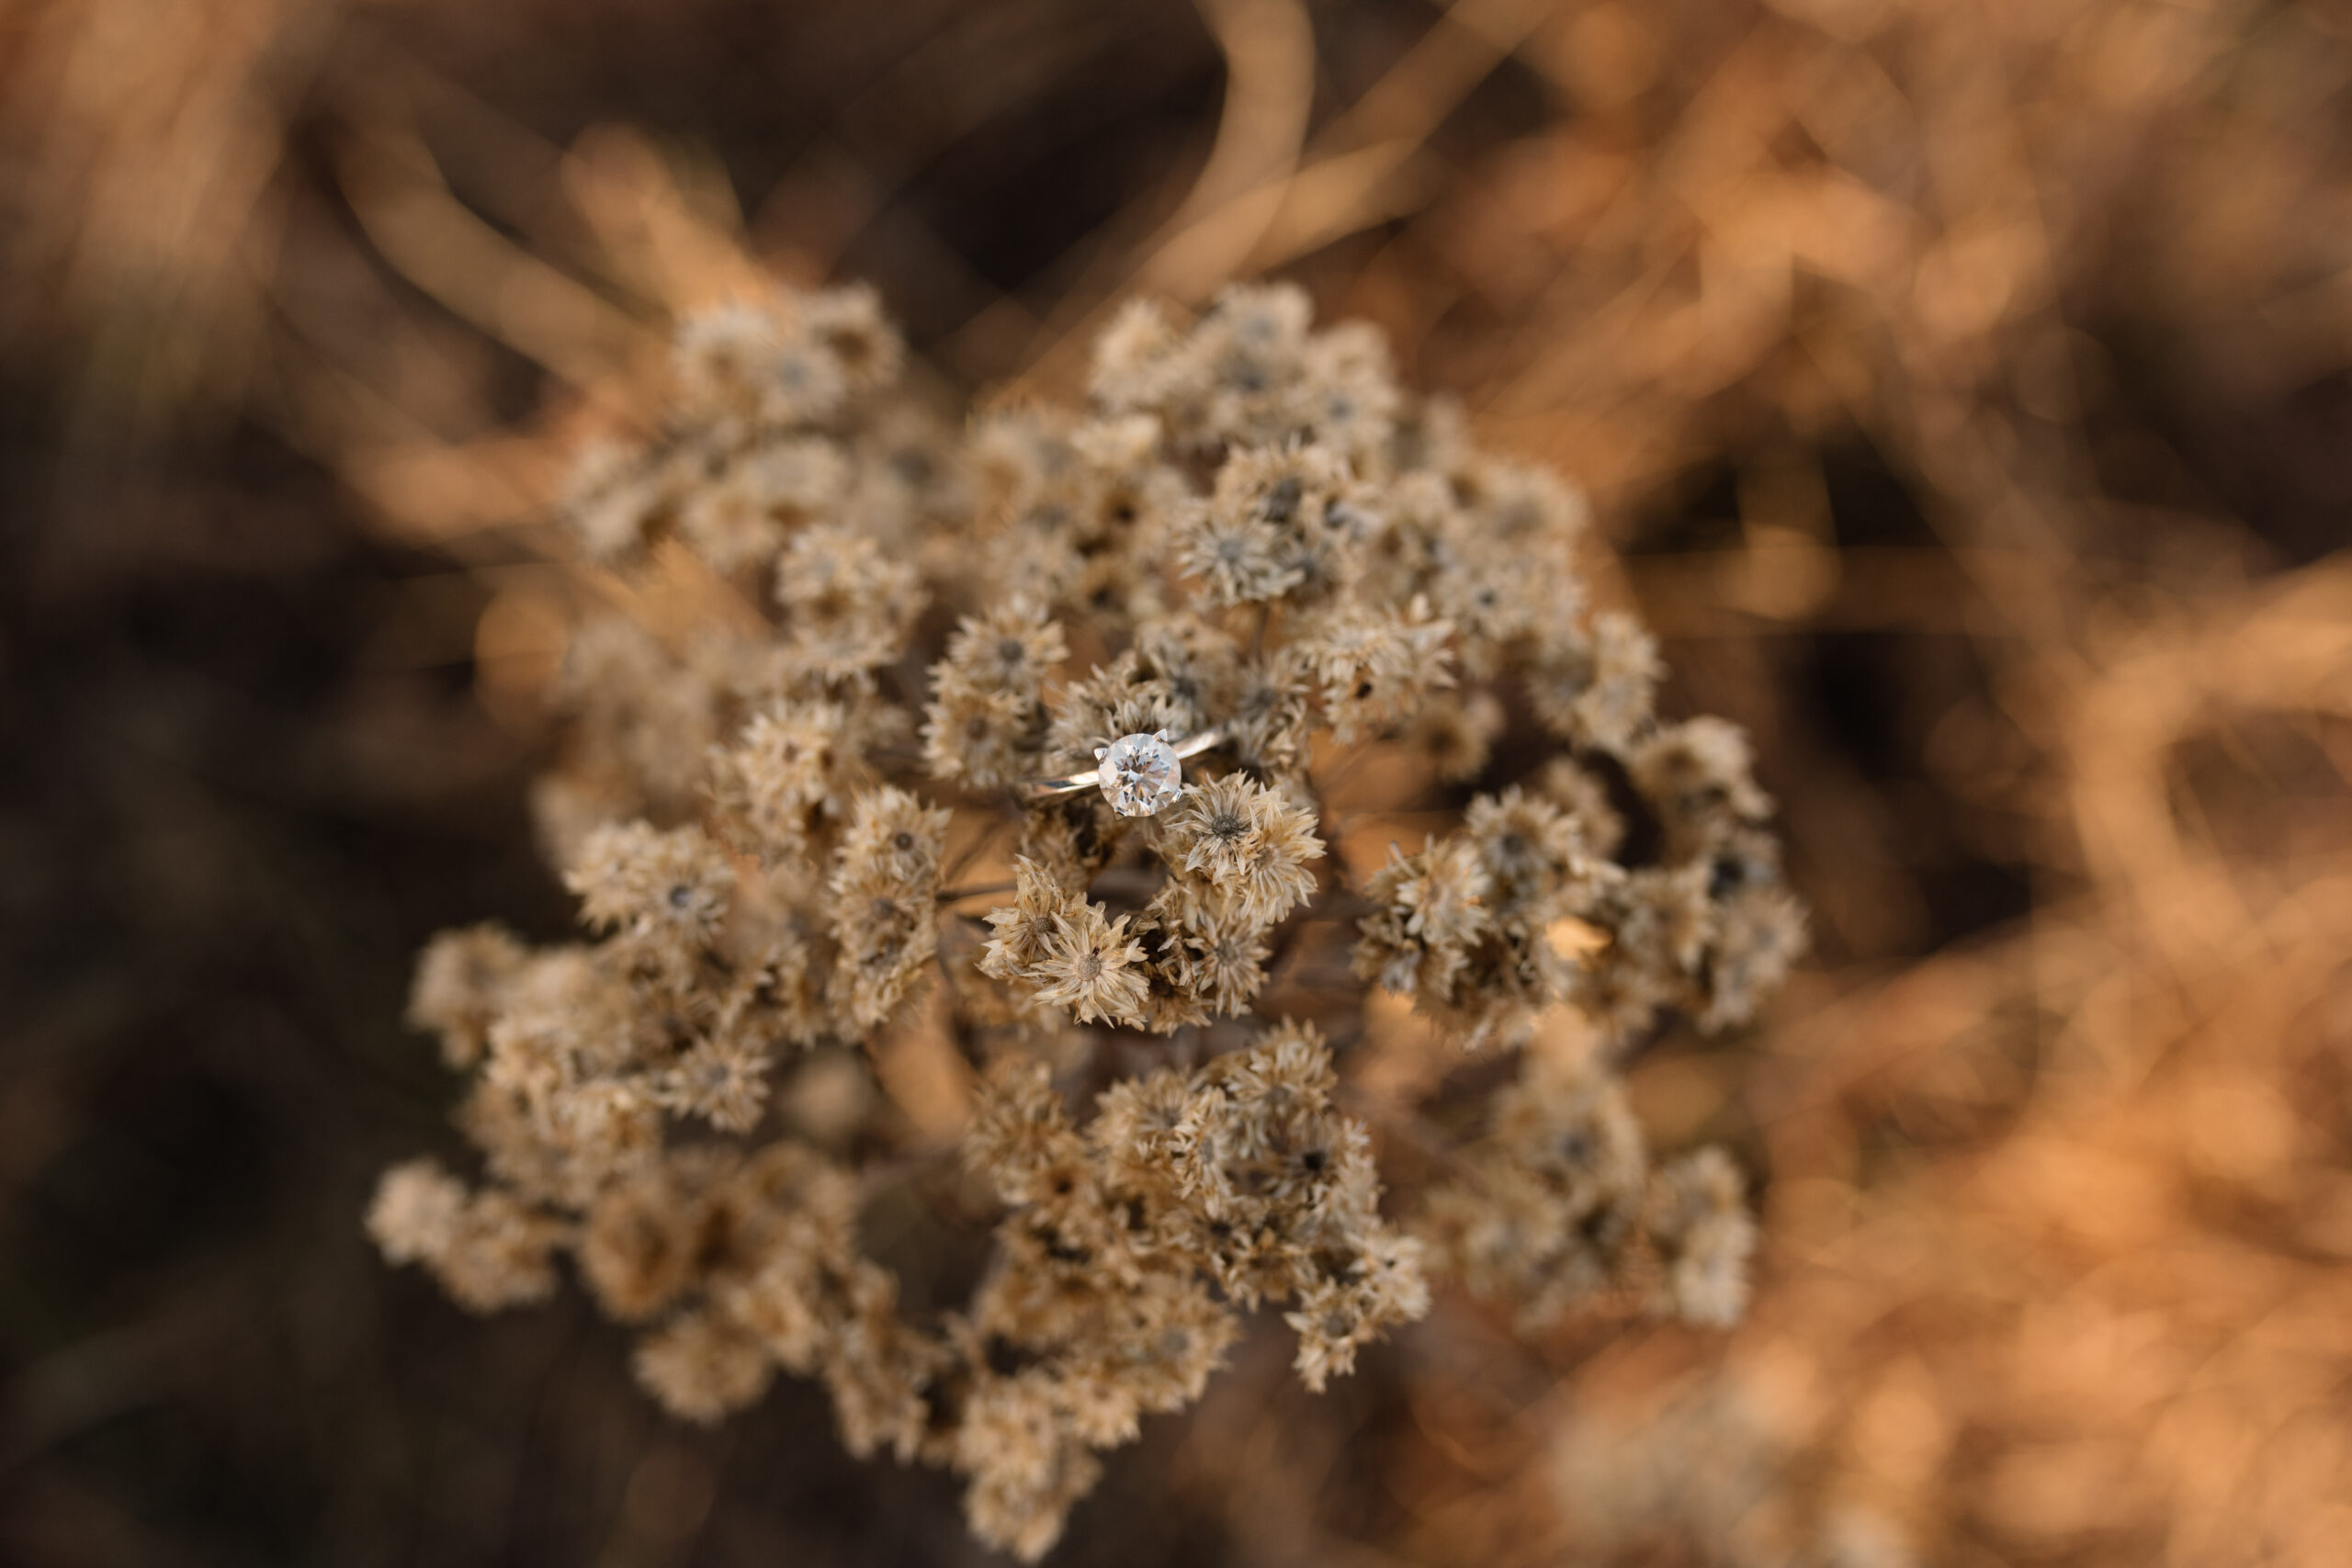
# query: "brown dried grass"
[[2059, 1203]]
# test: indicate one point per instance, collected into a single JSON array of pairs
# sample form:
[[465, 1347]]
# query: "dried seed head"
[[1251, 529]]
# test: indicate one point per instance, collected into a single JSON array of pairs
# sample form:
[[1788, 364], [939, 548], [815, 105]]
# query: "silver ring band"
[[1078, 784]]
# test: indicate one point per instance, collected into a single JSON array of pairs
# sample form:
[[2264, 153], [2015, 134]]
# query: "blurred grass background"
[[1965, 390]]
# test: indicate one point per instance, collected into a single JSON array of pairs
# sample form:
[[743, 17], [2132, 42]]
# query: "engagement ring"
[[1138, 775]]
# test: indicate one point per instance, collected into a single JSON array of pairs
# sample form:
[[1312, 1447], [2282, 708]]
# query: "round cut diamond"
[[1139, 775]]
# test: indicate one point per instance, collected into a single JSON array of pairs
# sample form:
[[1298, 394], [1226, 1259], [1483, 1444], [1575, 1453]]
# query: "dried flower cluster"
[[788, 801]]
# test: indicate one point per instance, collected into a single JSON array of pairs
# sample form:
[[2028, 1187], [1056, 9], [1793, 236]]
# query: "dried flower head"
[[829, 936]]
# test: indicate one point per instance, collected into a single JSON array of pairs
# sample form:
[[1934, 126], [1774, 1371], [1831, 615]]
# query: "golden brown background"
[[1965, 390]]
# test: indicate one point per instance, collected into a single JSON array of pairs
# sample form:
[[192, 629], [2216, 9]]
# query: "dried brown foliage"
[[1958, 390], [1244, 534]]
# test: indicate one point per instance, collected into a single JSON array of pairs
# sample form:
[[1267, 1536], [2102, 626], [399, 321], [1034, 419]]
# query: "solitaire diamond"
[[1139, 773]]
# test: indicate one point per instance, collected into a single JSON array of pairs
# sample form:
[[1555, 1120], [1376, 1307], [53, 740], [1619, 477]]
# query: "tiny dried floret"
[[461, 981], [1091, 967], [1021, 929], [724, 1081], [612, 499], [1377, 667], [417, 1212], [847, 605], [1701, 1226], [849, 324], [789, 773], [1533, 855], [653, 885], [1238, 556], [1429, 909], [701, 1366]]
